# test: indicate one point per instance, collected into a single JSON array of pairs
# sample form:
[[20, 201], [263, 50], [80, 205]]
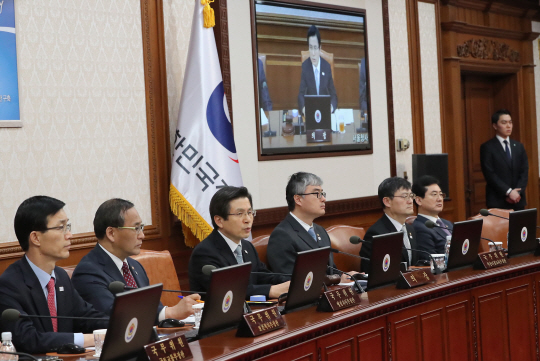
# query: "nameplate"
[[488, 260], [258, 322], [338, 299], [414, 279], [170, 348], [319, 135]]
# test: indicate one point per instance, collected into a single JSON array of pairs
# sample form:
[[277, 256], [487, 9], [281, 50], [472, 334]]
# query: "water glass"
[[99, 338], [495, 247], [439, 259], [197, 312]]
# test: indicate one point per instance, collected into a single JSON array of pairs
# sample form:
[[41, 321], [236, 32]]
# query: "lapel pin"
[[410, 235], [245, 251], [323, 73], [133, 269], [61, 289], [318, 237]]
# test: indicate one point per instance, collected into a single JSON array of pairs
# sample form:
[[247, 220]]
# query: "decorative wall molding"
[[487, 49]]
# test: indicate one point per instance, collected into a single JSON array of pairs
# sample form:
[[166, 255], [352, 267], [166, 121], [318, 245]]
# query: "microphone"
[[117, 287], [207, 270], [12, 314], [333, 250], [484, 212], [23, 354], [356, 240], [357, 284], [436, 269], [431, 224]]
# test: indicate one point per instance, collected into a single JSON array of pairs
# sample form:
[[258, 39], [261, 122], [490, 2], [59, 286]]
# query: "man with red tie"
[[34, 285], [119, 230]]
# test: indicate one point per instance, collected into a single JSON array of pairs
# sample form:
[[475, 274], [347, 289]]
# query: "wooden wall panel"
[[520, 322], [406, 338], [491, 327], [304, 352], [458, 332], [433, 345]]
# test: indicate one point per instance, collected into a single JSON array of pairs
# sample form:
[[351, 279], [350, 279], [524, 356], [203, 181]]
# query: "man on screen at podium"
[[397, 201], [297, 232], [34, 285], [430, 199], [316, 78]]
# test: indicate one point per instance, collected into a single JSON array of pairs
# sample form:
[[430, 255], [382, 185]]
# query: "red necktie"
[[50, 303], [128, 277]]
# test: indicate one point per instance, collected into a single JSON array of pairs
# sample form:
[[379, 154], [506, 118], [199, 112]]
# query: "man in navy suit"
[[119, 230], [397, 201], [34, 285], [232, 217], [505, 166], [316, 78], [429, 199]]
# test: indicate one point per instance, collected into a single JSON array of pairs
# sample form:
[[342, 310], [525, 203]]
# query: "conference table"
[[465, 314]]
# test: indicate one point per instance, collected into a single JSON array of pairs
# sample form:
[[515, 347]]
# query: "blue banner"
[[9, 85]]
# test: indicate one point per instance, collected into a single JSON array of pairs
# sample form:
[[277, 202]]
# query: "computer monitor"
[[522, 232], [464, 244], [385, 259]]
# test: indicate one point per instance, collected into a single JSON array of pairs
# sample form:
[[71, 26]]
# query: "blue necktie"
[[317, 80], [311, 232], [507, 150], [238, 254]]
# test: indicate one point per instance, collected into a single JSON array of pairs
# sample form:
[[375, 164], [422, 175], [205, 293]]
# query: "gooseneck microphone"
[[12, 314], [431, 224], [484, 212], [207, 270], [356, 240], [436, 269], [358, 287], [117, 287], [333, 250]]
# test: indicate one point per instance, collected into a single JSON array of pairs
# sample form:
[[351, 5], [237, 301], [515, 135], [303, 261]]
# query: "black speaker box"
[[435, 165]]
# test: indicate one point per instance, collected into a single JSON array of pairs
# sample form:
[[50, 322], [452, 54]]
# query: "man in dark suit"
[[34, 285], [232, 217], [505, 166], [119, 230], [316, 78], [429, 199], [297, 232], [397, 202]]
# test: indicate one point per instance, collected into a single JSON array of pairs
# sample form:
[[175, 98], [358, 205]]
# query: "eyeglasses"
[[313, 48], [248, 214], [318, 194], [65, 228], [436, 195], [405, 196], [138, 230]]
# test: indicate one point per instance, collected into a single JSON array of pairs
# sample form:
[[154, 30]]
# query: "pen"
[[195, 300]]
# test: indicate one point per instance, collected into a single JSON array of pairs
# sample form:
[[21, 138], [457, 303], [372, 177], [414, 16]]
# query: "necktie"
[[50, 303], [128, 277], [406, 242], [443, 226], [238, 254], [311, 232], [317, 80], [507, 150]]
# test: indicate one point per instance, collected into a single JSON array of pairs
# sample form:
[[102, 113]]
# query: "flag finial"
[[208, 13]]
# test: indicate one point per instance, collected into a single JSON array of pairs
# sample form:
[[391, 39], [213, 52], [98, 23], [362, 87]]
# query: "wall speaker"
[[435, 165]]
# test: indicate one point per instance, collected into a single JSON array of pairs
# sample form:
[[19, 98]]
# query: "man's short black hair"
[[314, 31], [298, 184], [390, 186], [420, 186], [110, 213], [220, 204], [495, 117], [33, 215]]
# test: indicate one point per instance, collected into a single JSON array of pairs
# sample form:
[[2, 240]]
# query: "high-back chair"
[[494, 228], [261, 243], [339, 238]]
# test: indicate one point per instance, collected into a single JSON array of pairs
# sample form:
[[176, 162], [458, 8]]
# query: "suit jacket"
[[502, 174], [21, 290], [215, 251], [265, 101], [384, 226], [309, 87], [96, 271], [431, 240], [289, 238]]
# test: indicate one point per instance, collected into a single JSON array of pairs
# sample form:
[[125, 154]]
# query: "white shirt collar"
[[431, 218], [396, 224], [42, 276], [232, 245], [117, 261], [501, 140], [302, 223]]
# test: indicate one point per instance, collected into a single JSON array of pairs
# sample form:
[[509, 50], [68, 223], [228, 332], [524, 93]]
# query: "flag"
[[205, 156]]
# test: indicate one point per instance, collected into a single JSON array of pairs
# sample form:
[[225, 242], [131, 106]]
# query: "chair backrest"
[[410, 220], [261, 243], [69, 270], [494, 228], [329, 57], [159, 267], [339, 238]]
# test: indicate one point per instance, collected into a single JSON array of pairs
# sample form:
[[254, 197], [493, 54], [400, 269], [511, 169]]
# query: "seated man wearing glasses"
[[119, 230], [232, 216], [397, 202], [34, 285], [297, 232], [429, 199]]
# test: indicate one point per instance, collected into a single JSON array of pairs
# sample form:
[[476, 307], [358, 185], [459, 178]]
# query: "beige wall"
[[82, 103]]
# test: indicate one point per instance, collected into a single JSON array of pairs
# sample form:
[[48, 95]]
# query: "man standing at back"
[[119, 230], [34, 285], [504, 165], [397, 202]]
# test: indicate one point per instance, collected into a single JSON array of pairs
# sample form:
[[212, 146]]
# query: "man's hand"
[[183, 308], [514, 195], [345, 278], [88, 340], [277, 290]]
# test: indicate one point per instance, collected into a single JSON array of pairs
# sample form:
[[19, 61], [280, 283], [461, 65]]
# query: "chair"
[[329, 57], [410, 220], [494, 228], [261, 243], [339, 238], [69, 270], [159, 267]]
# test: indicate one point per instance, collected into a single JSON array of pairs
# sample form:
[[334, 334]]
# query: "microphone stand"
[[436, 269], [359, 288]]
